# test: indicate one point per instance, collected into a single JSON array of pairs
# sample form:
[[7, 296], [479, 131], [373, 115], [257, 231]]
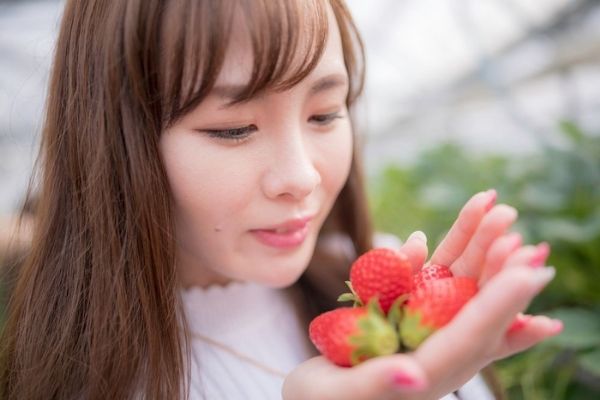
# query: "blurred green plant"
[[557, 193]]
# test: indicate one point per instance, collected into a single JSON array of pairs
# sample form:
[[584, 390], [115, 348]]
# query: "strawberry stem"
[[347, 296]]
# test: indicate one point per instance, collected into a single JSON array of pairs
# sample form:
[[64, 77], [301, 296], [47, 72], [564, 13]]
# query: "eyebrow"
[[328, 82]]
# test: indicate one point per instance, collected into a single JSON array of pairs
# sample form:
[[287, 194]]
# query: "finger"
[[415, 249], [529, 255], [462, 230], [498, 253], [372, 379], [493, 225], [505, 295], [534, 330], [477, 329], [542, 251], [383, 376]]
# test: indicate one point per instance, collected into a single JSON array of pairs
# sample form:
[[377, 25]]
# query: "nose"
[[292, 173]]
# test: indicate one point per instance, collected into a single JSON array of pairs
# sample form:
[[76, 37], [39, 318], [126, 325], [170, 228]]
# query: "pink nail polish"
[[515, 241], [541, 254], [491, 199], [520, 322], [403, 381], [557, 327]]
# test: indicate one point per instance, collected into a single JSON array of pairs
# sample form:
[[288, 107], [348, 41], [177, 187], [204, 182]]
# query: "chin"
[[281, 275], [283, 271], [281, 280]]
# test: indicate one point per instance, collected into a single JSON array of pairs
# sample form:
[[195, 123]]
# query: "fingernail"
[[557, 327], [492, 195], [418, 235], [542, 276], [519, 322], [403, 381], [516, 240], [541, 254]]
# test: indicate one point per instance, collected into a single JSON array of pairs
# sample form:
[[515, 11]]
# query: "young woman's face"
[[253, 183]]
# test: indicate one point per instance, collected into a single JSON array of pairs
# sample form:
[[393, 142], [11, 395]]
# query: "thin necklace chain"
[[243, 357]]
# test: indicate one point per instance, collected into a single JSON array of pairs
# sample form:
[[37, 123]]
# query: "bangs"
[[287, 38]]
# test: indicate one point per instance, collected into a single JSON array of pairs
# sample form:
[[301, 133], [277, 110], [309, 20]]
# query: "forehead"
[[258, 46], [239, 56]]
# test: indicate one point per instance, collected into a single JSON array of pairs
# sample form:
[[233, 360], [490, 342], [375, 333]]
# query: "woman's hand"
[[510, 276], [447, 359]]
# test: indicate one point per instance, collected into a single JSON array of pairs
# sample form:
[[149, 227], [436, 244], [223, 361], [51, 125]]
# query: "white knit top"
[[258, 322], [264, 324]]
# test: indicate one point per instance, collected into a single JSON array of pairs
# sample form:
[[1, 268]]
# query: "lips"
[[290, 233], [289, 225]]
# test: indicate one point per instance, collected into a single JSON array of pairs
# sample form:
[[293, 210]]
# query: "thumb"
[[415, 248]]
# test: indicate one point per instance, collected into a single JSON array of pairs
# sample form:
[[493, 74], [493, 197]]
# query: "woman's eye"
[[244, 132], [325, 119], [236, 134]]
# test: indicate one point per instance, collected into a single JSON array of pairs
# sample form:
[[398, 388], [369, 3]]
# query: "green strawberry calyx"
[[394, 315], [413, 331], [375, 337], [352, 296]]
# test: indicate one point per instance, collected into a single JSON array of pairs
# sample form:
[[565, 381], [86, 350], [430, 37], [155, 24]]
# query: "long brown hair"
[[94, 311]]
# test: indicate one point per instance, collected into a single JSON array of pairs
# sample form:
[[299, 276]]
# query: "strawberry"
[[432, 306], [430, 273], [382, 273], [350, 335]]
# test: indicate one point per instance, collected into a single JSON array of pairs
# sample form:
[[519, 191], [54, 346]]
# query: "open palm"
[[476, 245]]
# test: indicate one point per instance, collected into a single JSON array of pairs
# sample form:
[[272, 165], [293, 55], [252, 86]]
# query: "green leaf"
[[591, 362], [572, 131], [346, 297]]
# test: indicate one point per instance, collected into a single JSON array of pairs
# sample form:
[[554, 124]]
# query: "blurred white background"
[[494, 75]]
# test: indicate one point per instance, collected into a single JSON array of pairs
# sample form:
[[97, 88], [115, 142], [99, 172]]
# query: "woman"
[[193, 146]]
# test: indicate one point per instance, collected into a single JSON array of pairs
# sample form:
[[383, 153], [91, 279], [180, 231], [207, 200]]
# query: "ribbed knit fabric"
[[259, 322]]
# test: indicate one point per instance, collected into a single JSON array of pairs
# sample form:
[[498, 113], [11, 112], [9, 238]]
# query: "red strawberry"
[[432, 306], [431, 273], [382, 273], [350, 335]]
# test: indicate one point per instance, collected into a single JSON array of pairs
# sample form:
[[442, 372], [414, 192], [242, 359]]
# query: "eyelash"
[[325, 119], [236, 134], [241, 134]]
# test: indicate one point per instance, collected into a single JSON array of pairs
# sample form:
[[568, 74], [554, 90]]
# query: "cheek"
[[335, 159], [201, 180]]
